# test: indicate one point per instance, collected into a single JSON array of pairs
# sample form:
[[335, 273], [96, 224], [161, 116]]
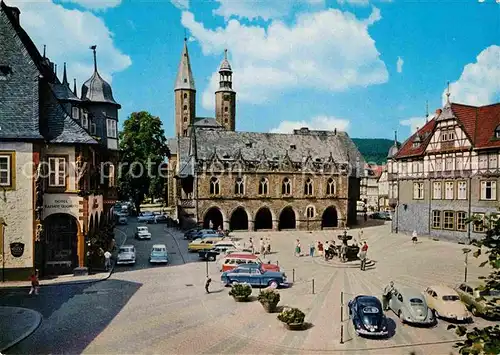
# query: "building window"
[[93, 129], [239, 187], [185, 132], [449, 217], [111, 175], [418, 190], [436, 219], [308, 187], [226, 109], [214, 186], [478, 224], [462, 190], [185, 107], [263, 186], [185, 96], [493, 162], [461, 221], [5, 72], [497, 132], [449, 187], [85, 120], [57, 172], [75, 112], [7, 170], [436, 190], [488, 190], [330, 187], [483, 161], [459, 163], [448, 163], [185, 119], [286, 187], [111, 128], [310, 212], [493, 219], [448, 135]]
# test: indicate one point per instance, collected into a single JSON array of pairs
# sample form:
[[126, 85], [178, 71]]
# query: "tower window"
[[185, 107], [286, 187], [185, 80], [239, 187], [226, 120], [185, 119], [226, 109], [308, 187], [185, 132], [330, 187], [214, 186], [185, 96], [310, 212], [263, 186]]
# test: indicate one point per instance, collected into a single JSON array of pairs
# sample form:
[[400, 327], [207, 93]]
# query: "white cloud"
[[96, 4], [329, 50], [359, 2], [414, 123], [180, 4], [321, 123], [399, 64], [68, 35], [479, 83], [265, 9]]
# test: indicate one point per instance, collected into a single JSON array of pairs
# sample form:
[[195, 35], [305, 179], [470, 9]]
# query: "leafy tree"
[[484, 340], [374, 150], [143, 149]]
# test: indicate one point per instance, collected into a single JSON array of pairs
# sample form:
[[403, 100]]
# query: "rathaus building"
[[306, 180]]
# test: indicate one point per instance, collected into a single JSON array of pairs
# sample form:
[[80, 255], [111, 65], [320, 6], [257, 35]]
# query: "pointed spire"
[[74, 87], [225, 67], [225, 54], [395, 137], [185, 79], [55, 70], [44, 50], [448, 94], [94, 47], [65, 77]]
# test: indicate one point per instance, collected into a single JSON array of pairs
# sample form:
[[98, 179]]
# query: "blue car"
[[159, 254], [254, 275], [367, 316]]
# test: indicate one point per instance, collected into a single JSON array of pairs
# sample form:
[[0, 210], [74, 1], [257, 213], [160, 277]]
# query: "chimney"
[[15, 13]]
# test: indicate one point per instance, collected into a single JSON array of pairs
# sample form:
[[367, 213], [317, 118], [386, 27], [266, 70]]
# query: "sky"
[[362, 66]]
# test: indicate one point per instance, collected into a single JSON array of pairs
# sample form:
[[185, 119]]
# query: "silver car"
[[126, 255], [410, 307]]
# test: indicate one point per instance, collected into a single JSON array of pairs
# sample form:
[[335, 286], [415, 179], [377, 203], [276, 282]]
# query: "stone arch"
[[263, 218], [213, 214], [61, 249], [288, 219], [330, 218], [239, 219]]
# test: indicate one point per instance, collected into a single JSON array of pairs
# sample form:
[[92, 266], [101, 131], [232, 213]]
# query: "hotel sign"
[[60, 203]]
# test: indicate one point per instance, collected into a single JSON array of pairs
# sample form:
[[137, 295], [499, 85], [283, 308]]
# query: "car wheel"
[[436, 314], [273, 284], [211, 258], [474, 311]]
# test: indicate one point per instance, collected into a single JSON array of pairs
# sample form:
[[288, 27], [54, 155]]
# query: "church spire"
[[65, 77], [74, 87], [185, 79]]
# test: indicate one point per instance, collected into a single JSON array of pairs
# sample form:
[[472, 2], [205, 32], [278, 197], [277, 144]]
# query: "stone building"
[[446, 172], [57, 158], [255, 181]]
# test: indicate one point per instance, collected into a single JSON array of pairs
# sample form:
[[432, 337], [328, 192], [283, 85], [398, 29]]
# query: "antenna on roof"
[[225, 54], [396, 137], [448, 93], [74, 87], [44, 49]]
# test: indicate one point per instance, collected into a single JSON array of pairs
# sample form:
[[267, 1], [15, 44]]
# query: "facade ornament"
[[81, 170], [39, 192], [39, 233]]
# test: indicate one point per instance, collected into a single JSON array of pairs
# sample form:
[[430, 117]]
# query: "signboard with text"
[[61, 203]]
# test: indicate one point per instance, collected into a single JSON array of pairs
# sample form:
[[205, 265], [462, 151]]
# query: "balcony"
[[186, 203]]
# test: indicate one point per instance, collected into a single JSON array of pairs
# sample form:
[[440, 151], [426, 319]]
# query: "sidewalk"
[[120, 237], [17, 324]]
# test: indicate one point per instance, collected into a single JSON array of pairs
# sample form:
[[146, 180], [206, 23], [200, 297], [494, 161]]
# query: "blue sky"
[[358, 65]]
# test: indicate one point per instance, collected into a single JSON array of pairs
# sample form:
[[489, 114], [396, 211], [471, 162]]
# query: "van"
[[234, 260], [203, 244]]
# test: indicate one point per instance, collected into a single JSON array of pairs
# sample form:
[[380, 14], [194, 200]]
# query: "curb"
[[77, 282], [26, 334]]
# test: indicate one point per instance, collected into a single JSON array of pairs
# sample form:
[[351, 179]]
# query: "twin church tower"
[[185, 96]]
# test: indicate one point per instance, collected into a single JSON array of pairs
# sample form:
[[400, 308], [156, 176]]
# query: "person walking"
[[388, 290], [320, 248], [262, 246], [207, 284], [107, 260], [311, 249], [297, 248], [362, 256], [268, 245], [35, 283]]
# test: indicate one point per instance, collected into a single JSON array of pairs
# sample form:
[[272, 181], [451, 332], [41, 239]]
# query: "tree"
[[484, 340], [143, 150]]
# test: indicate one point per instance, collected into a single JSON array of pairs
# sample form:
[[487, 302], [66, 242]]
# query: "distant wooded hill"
[[374, 150]]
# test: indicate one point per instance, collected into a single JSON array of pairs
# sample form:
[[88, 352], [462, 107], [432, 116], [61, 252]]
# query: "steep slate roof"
[[96, 89], [20, 121], [206, 122], [318, 145], [63, 92], [185, 79], [478, 123]]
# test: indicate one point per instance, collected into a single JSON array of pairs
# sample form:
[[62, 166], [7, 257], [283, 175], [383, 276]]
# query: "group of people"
[[264, 246]]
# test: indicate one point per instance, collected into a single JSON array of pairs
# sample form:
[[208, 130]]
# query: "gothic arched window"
[[185, 107], [263, 186], [185, 96], [330, 187], [239, 187], [214, 186], [310, 212], [286, 187], [308, 187]]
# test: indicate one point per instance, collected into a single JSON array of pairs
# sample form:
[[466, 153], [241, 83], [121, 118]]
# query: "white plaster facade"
[[69, 153], [62, 203], [16, 207]]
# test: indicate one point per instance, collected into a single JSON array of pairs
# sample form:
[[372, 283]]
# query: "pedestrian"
[[388, 290], [326, 250], [210, 224], [343, 252], [311, 249], [362, 256], [268, 245], [262, 246], [107, 260], [297, 248], [414, 238], [207, 284], [320, 248], [112, 247], [35, 283]]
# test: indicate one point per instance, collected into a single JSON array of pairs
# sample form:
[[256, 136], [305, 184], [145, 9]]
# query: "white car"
[[143, 235], [126, 255]]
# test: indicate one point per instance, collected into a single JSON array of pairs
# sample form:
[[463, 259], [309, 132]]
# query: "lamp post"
[[466, 251]]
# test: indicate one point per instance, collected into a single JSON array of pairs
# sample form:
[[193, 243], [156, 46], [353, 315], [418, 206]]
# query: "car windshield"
[[159, 250], [125, 250], [451, 298], [370, 314], [142, 228], [416, 301]]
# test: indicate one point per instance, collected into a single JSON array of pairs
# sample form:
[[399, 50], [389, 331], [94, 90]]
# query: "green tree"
[[484, 340], [143, 149]]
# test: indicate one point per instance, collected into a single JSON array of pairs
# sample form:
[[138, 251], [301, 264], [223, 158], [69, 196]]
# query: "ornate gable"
[[286, 163], [214, 163], [239, 163], [263, 163], [308, 163], [330, 166]]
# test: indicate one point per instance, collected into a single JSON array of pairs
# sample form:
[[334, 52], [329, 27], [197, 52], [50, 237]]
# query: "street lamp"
[[466, 251]]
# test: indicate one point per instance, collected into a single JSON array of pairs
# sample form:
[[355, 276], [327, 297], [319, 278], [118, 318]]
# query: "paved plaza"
[[152, 310]]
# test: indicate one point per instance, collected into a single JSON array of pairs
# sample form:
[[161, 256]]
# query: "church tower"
[[185, 95], [225, 97]]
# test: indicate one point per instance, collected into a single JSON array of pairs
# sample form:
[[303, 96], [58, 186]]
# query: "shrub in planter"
[[240, 292], [293, 318], [269, 299]]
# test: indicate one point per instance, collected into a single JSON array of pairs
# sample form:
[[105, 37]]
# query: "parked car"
[[207, 233], [203, 244], [381, 215], [122, 220], [190, 234], [126, 255], [159, 254], [254, 275], [145, 217], [162, 218], [218, 248], [446, 304], [480, 303], [233, 260], [367, 316], [410, 307]]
